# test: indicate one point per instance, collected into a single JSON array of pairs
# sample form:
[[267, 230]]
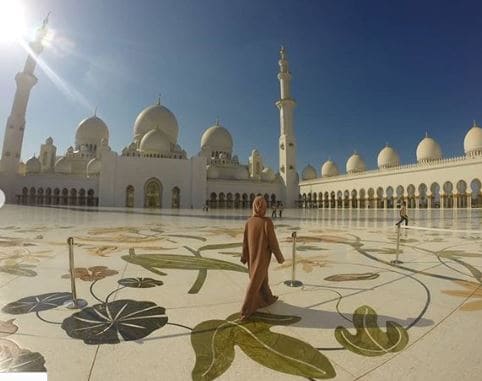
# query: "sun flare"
[[12, 20]]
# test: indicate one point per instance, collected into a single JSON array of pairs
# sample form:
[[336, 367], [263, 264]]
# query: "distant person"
[[280, 209], [258, 245], [403, 215], [273, 210]]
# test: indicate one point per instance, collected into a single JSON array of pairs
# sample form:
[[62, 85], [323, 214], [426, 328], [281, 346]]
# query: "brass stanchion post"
[[74, 303], [397, 250], [293, 282]]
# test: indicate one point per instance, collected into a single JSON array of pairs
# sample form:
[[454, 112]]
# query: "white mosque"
[[153, 171]]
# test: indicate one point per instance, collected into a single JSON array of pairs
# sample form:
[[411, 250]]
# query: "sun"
[[12, 20]]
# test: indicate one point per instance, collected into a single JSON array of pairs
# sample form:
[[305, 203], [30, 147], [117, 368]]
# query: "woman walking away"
[[403, 215], [273, 210], [280, 209], [258, 245]]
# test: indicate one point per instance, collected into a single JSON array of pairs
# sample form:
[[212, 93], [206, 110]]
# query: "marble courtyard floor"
[[164, 289]]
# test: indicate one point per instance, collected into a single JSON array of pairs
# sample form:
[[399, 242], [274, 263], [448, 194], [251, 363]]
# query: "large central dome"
[[157, 117]]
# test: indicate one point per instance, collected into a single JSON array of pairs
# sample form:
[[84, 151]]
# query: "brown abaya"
[[259, 242]]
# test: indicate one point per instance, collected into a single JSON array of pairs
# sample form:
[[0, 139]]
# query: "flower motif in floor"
[[92, 273]]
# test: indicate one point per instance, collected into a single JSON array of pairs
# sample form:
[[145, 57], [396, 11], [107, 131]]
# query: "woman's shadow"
[[313, 318]]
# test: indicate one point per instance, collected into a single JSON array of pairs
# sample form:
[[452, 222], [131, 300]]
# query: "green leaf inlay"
[[369, 339], [214, 340]]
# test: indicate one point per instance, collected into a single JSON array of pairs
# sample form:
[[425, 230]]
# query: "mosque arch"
[[434, 199], [448, 197], [389, 193], [175, 198], [40, 196], [266, 198], [339, 199], [332, 199], [222, 200], [461, 196], [153, 193], [65, 196], [48, 196], [32, 196], [91, 200], [213, 200], [237, 200], [244, 198], [346, 198], [73, 196], [56, 196], [229, 198], [82, 197], [411, 196], [320, 199], [251, 199], [422, 196], [379, 199], [476, 190], [273, 199], [314, 201], [327, 200], [371, 194], [362, 198], [130, 196], [354, 199]]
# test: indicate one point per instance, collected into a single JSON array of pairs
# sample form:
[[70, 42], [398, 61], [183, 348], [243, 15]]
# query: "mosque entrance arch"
[[153, 194]]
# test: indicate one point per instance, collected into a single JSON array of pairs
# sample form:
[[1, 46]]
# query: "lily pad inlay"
[[37, 303], [140, 282], [108, 323]]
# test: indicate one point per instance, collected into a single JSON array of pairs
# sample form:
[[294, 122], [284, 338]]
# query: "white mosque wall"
[[120, 172], [239, 193], [451, 173]]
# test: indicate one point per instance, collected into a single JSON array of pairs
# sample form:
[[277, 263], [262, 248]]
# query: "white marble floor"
[[163, 289]]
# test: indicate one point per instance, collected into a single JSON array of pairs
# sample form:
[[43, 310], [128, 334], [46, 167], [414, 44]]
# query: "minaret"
[[287, 141], [12, 142]]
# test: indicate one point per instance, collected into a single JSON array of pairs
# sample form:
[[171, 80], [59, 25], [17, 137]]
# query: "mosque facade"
[[431, 182], [152, 171]]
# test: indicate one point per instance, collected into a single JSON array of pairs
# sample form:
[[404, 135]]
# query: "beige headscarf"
[[259, 207]]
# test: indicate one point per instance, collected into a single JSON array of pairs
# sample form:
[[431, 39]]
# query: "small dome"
[[355, 164], [213, 172], [63, 165], [155, 142], [49, 141], [388, 158], [329, 169], [33, 165], [91, 131], [94, 167], [157, 117], [473, 141], [217, 138], [309, 173], [428, 150], [268, 174]]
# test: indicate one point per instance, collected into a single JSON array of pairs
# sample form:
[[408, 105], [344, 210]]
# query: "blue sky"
[[364, 72]]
